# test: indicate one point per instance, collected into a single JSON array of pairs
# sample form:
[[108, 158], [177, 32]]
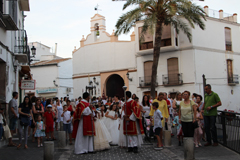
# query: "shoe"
[[38, 146], [158, 148], [179, 143], [130, 149], [135, 149], [215, 144], [207, 144], [41, 144], [196, 146], [200, 144]]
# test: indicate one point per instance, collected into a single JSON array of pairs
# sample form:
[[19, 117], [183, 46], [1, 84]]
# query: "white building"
[[214, 52], [14, 51], [51, 73]]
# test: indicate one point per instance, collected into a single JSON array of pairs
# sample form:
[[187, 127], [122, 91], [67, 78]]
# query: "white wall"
[[65, 71]]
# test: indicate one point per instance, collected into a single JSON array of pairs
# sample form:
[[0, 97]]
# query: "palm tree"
[[155, 14]]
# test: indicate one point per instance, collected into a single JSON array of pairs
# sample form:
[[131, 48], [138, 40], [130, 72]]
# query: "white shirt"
[[66, 117], [1, 119], [157, 119]]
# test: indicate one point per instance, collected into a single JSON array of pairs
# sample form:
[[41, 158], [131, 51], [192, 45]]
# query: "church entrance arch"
[[114, 86]]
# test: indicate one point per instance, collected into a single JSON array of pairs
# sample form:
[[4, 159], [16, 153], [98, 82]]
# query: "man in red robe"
[[83, 126], [132, 127]]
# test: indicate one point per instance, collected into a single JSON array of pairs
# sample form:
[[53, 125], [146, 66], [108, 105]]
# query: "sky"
[[65, 21]]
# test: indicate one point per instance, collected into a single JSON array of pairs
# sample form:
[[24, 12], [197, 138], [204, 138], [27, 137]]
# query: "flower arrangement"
[[230, 116]]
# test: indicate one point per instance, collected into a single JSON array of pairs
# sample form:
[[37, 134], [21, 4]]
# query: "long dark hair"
[[143, 102], [29, 102], [48, 102]]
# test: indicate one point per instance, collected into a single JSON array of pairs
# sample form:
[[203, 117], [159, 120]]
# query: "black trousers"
[[188, 129]]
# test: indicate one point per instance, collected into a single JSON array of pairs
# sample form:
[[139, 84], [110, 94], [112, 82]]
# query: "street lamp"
[[130, 79], [33, 49]]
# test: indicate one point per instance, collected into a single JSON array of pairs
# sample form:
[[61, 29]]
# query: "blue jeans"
[[1, 130], [210, 128]]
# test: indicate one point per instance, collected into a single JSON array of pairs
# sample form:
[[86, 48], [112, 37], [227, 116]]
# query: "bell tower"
[[98, 25]]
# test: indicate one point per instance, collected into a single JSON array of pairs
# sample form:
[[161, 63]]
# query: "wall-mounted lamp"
[[94, 80], [54, 82], [130, 79]]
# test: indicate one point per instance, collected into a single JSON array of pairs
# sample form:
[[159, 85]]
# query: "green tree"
[[155, 13]]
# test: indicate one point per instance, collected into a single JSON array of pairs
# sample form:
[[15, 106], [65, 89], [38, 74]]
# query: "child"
[[179, 128], [122, 138], [157, 125], [67, 122], [111, 123], [48, 121], [39, 130], [198, 131]]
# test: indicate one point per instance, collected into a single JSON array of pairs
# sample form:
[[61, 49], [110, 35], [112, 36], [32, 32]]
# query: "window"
[[228, 39], [148, 71], [229, 71], [147, 43], [173, 72], [13, 10], [148, 38]]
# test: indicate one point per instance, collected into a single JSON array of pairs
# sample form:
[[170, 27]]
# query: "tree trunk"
[[156, 55]]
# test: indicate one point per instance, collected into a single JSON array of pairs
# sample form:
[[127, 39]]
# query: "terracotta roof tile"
[[47, 62]]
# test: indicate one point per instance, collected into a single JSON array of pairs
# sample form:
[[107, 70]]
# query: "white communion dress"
[[101, 141], [102, 119], [112, 126]]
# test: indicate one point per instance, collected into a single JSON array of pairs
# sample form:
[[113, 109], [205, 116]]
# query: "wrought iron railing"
[[21, 40], [172, 79], [146, 81], [234, 79], [228, 130]]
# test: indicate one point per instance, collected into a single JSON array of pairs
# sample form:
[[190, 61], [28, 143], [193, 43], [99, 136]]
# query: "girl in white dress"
[[101, 119], [111, 123], [176, 103], [100, 140]]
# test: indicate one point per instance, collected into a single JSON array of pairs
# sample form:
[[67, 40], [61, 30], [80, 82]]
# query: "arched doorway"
[[114, 86]]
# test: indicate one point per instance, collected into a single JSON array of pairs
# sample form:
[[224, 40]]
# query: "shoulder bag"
[[24, 121]]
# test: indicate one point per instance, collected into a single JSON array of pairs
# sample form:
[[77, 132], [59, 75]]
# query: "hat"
[[49, 106]]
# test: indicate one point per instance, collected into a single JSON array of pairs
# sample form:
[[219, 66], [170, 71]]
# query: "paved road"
[[115, 153]]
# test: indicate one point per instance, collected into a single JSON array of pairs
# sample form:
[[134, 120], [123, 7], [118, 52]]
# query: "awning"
[[25, 69], [48, 95], [22, 58]]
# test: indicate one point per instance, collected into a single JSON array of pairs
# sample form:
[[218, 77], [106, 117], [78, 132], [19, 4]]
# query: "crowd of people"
[[97, 123]]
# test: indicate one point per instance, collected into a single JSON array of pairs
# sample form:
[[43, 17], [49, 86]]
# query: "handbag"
[[195, 124], [7, 133], [24, 121]]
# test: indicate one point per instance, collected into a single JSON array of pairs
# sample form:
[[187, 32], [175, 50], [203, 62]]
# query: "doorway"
[[114, 86]]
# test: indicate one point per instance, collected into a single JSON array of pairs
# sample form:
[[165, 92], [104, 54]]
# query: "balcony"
[[21, 45], [146, 81], [172, 79], [232, 81], [146, 45]]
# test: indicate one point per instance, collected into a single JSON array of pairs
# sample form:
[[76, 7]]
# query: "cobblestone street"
[[146, 152]]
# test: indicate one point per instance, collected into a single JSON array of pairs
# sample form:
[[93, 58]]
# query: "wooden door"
[[148, 71]]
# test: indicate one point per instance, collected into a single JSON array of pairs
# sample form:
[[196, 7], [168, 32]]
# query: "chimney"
[[235, 17], [221, 14], [55, 49], [206, 10]]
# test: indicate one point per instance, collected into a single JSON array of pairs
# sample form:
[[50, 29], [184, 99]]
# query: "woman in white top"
[[146, 106], [60, 111]]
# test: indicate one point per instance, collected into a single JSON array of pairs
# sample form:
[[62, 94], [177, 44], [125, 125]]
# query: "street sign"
[[28, 84]]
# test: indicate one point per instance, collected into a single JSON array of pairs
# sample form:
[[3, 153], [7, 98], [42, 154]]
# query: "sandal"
[[18, 147], [26, 147]]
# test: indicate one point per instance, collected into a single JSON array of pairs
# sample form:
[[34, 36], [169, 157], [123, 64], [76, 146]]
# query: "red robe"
[[132, 107], [87, 122]]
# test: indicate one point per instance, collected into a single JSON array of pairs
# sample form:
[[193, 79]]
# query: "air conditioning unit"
[[68, 89]]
